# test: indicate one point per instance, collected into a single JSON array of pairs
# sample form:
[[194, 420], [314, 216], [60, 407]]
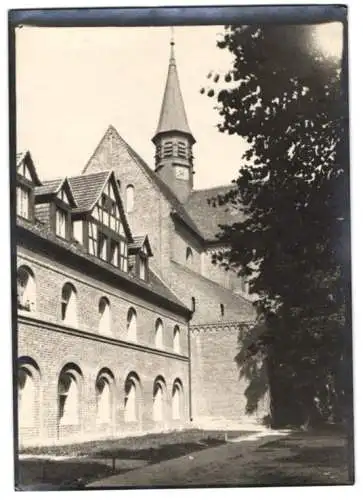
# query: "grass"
[[97, 459], [302, 458], [305, 458], [45, 474], [133, 443], [293, 460]]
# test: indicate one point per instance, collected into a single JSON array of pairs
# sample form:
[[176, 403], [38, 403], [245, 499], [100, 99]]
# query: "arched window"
[[26, 289], [132, 398], [177, 400], [159, 334], [104, 382], [130, 198], [69, 305], [176, 340], [105, 316], [131, 324], [28, 391], [159, 394], [193, 304], [222, 310], [189, 256], [69, 395]]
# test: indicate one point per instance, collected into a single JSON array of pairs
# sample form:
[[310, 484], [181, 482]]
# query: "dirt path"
[[194, 469]]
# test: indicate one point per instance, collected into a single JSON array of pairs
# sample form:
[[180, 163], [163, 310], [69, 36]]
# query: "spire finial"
[[172, 43]]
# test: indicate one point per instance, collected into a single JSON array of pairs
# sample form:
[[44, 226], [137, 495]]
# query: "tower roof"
[[172, 115]]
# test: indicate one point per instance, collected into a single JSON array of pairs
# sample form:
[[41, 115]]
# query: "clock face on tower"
[[182, 173]]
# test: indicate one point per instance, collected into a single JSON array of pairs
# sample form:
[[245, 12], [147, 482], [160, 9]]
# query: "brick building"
[[124, 323]]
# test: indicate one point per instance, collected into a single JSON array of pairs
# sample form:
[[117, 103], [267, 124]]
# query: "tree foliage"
[[288, 102]]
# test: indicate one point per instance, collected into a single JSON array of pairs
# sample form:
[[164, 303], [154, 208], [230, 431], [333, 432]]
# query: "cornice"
[[229, 326], [77, 332]]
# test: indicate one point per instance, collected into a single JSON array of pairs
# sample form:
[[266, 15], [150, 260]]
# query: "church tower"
[[173, 139]]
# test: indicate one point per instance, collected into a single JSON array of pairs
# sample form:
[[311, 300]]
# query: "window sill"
[[62, 238], [26, 311], [85, 331], [28, 219]]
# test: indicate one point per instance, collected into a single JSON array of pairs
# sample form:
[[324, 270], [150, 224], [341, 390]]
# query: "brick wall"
[[181, 241], [44, 339], [53, 347], [50, 278], [217, 273], [208, 297], [218, 389]]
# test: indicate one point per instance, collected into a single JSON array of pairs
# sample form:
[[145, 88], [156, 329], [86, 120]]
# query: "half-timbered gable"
[[99, 221], [26, 180]]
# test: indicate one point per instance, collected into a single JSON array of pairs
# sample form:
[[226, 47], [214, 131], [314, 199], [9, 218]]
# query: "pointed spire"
[[173, 116]]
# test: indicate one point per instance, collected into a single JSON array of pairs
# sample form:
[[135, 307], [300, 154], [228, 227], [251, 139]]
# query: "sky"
[[72, 83]]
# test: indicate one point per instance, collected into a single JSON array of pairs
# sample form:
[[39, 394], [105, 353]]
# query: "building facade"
[[124, 323]]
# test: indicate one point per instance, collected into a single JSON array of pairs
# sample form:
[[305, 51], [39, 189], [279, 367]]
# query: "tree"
[[288, 102]]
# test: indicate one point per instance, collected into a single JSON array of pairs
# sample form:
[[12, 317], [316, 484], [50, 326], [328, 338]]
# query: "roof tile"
[[208, 214], [49, 187], [87, 189]]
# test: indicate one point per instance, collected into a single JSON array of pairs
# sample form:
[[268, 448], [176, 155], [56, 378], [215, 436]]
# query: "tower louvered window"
[[168, 148], [182, 150]]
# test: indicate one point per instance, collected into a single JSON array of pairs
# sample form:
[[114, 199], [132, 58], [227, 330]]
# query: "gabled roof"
[[203, 206], [52, 187], [27, 158], [199, 213], [139, 242], [20, 156], [87, 189], [49, 187], [204, 285], [172, 115], [176, 206]]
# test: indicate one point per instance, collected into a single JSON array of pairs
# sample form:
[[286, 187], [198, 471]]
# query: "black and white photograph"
[[181, 260]]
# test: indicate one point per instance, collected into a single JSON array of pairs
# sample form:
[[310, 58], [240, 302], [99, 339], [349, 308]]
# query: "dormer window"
[[142, 267], [61, 223], [54, 202], [115, 253], [140, 251], [102, 246], [23, 201], [123, 257], [61, 217]]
